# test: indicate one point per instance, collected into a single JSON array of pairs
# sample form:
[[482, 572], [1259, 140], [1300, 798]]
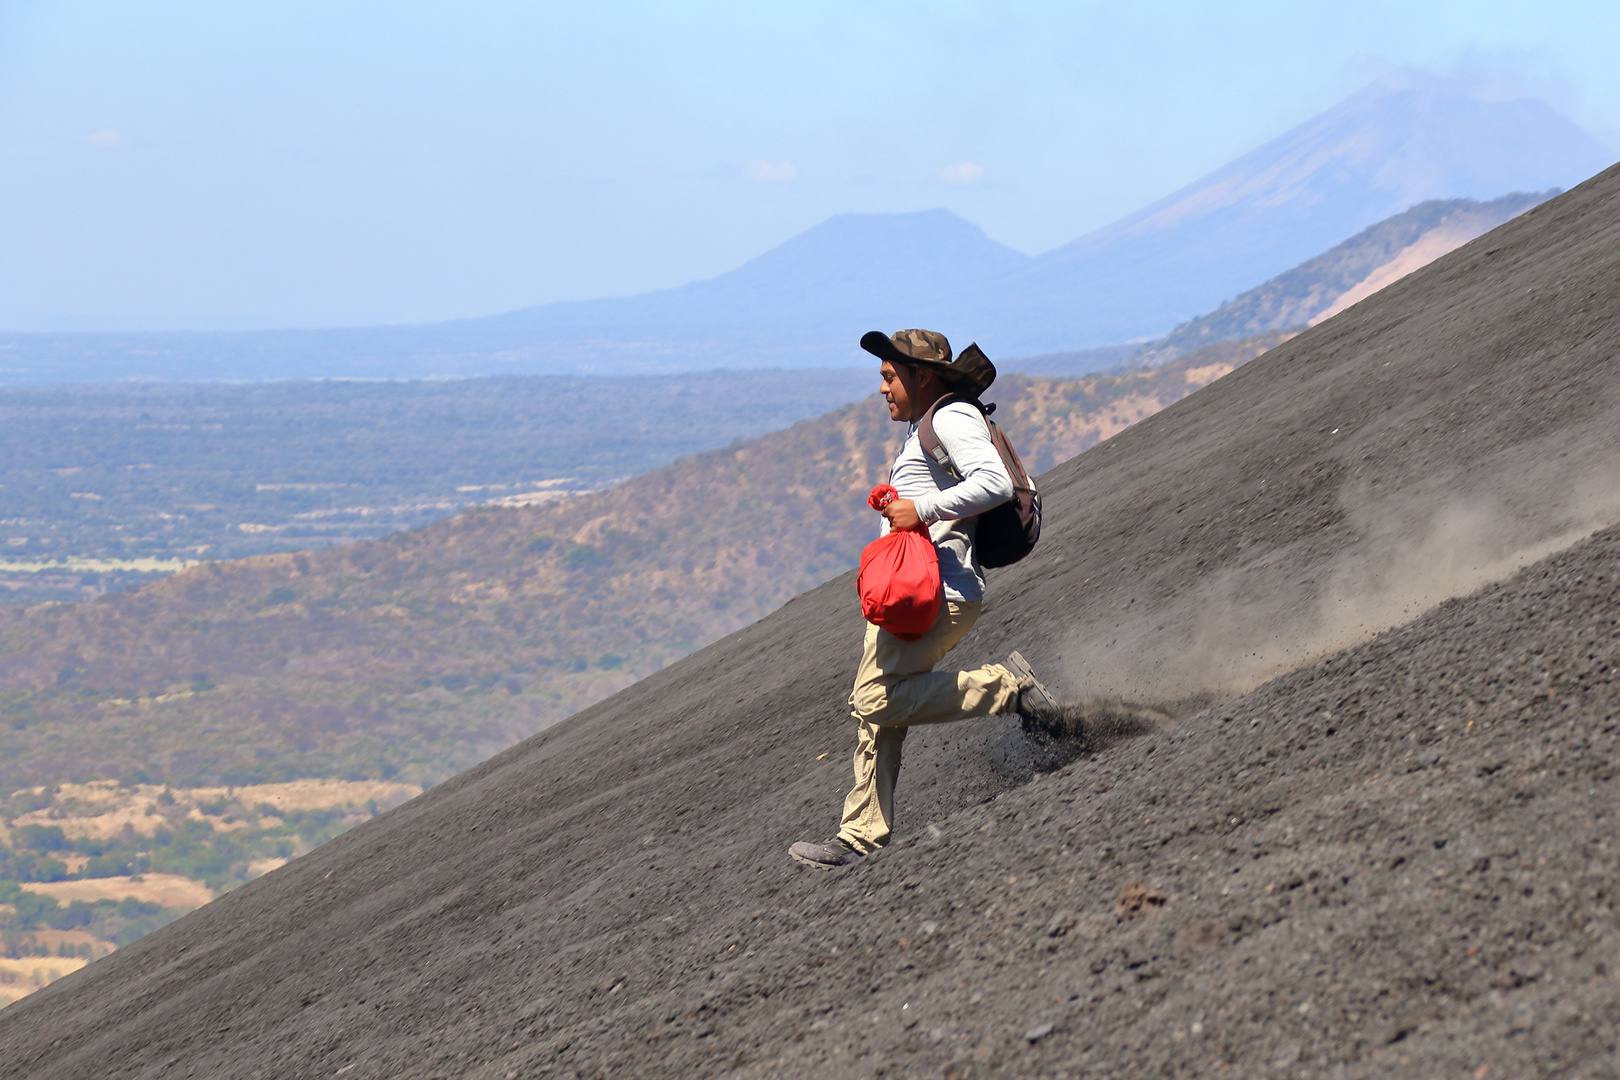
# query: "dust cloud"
[[1408, 553]]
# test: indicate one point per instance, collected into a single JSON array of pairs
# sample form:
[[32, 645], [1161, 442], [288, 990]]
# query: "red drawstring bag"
[[899, 578]]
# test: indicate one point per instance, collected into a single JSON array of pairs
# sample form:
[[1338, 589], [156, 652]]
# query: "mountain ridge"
[[1404, 139], [1323, 286], [860, 263], [1397, 142]]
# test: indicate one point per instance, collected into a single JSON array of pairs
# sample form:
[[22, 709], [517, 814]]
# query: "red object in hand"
[[899, 578]]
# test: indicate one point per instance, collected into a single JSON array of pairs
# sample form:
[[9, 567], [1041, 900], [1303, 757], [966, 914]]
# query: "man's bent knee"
[[872, 704]]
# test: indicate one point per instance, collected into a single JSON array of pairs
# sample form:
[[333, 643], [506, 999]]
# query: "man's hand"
[[902, 514]]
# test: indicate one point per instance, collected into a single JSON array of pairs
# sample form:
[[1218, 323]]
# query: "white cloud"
[[766, 172], [107, 139], [963, 172]]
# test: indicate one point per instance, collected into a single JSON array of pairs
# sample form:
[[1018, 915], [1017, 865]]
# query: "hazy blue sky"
[[313, 163]]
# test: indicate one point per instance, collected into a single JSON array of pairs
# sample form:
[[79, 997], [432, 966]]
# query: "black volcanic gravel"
[[1394, 862]]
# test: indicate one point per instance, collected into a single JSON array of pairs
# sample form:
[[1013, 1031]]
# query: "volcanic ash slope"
[[1394, 861]]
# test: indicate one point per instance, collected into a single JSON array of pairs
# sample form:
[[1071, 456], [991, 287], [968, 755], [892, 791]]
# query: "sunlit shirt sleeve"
[[962, 431]]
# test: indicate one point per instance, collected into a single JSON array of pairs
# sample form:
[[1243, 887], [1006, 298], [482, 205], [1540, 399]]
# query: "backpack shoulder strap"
[[925, 430], [998, 438]]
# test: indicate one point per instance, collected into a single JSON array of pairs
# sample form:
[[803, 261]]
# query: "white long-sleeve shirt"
[[950, 506]]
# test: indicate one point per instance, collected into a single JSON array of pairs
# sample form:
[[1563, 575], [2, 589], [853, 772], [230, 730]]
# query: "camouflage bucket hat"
[[970, 373]]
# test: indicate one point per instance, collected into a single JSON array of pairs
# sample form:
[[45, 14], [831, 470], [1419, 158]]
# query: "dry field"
[[168, 890], [103, 808], [21, 977], [58, 943]]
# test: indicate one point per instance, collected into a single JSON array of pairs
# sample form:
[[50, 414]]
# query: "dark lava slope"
[[1395, 861]]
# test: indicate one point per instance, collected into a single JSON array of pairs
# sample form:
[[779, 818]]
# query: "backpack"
[[1006, 532]]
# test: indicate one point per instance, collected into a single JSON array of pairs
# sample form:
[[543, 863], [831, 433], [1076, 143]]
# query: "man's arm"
[[961, 430]]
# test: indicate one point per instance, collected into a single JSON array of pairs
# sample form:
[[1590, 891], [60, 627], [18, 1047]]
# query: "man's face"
[[899, 385]]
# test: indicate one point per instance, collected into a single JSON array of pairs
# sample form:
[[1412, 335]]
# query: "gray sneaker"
[[826, 855], [1036, 707]]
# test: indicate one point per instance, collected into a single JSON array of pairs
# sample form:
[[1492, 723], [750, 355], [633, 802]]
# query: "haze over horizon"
[[181, 167]]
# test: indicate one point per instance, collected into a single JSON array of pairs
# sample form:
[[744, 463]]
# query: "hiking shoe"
[[826, 855], [1036, 707]]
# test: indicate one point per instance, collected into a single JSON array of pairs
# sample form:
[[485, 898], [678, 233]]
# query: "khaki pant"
[[895, 687]]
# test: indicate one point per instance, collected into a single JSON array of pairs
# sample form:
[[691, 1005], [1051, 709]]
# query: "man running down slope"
[[895, 685]]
